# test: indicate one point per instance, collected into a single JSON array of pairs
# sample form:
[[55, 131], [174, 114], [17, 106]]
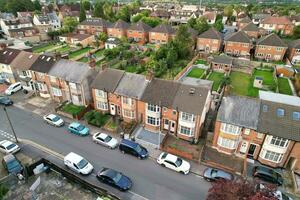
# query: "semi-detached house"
[[93, 26], [210, 41], [7, 56], [161, 34], [238, 44], [118, 29]]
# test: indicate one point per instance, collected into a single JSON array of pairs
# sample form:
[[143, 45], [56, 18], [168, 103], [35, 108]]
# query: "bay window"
[[272, 156], [278, 141], [186, 130], [153, 108], [153, 121], [227, 143], [102, 105], [128, 113], [231, 129], [187, 117]]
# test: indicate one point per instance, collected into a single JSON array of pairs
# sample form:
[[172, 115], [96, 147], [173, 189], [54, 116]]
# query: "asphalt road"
[[150, 181]]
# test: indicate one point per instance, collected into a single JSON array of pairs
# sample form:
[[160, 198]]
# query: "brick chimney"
[[149, 75]]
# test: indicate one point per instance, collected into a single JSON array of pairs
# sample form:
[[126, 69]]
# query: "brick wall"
[[209, 45], [237, 48], [140, 37], [272, 52]]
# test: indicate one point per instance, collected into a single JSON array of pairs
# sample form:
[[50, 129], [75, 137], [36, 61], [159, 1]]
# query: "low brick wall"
[[179, 153]]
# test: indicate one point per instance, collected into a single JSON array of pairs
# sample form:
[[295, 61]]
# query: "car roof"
[[108, 172], [5, 143], [75, 124], [17, 83], [9, 157], [102, 135], [74, 157], [51, 116], [129, 143], [171, 157]]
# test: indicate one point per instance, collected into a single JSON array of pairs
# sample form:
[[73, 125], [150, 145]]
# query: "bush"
[[3, 191], [96, 118]]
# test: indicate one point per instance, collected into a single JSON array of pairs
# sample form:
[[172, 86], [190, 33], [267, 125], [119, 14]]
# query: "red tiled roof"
[[276, 20]]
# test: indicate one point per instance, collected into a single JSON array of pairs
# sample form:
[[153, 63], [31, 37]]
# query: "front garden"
[[72, 109], [96, 118]]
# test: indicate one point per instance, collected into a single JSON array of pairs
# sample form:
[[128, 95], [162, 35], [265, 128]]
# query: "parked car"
[[281, 196], [8, 147], [4, 100], [173, 162], [212, 174], [133, 148], [12, 164], [105, 140], [114, 178], [13, 88], [78, 129], [267, 174], [54, 120], [78, 164]]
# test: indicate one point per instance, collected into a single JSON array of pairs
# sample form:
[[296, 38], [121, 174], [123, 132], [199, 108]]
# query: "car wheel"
[[123, 152], [163, 165], [181, 172], [139, 157], [12, 92]]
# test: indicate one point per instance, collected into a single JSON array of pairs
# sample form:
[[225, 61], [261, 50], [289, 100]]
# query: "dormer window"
[[280, 112]]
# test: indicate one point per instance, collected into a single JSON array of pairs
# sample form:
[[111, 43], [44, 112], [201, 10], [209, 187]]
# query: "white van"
[[15, 87], [78, 164]]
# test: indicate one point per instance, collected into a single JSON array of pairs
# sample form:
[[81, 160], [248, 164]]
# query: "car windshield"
[[138, 148], [55, 119], [117, 177], [82, 163], [107, 139], [80, 127], [178, 162], [9, 147], [214, 173], [4, 98], [12, 164]]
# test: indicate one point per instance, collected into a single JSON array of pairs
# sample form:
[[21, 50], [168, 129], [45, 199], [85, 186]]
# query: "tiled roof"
[[211, 33], [245, 20], [43, 64], [210, 15], [276, 20], [295, 44], [120, 24], [240, 36], [8, 55], [140, 26], [108, 79], [95, 22], [163, 28], [250, 27], [78, 36], [271, 40], [24, 60], [222, 59]]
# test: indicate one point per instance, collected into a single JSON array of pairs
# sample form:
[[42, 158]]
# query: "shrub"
[[96, 118]]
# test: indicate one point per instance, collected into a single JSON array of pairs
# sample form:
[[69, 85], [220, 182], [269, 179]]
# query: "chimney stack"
[[149, 75]]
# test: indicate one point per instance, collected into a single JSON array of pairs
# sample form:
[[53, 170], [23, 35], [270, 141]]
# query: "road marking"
[[131, 192]]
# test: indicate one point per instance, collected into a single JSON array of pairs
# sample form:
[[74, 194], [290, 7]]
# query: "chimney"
[[149, 75]]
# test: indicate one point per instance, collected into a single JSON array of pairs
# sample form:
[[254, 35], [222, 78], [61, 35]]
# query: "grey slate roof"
[[222, 59], [7, 55], [43, 64], [270, 123], [108, 79], [163, 28], [240, 36], [251, 27], [239, 111], [272, 40], [131, 85], [295, 44], [245, 20], [69, 70], [211, 33], [95, 22], [24, 60], [120, 24], [196, 82], [140, 26]]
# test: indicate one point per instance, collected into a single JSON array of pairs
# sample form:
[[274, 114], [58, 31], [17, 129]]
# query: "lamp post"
[[10, 124]]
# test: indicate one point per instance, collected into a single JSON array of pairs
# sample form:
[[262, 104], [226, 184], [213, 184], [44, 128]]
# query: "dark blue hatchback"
[[133, 148], [114, 178]]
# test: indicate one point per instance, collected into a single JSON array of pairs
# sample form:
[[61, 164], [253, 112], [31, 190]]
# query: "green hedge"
[[96, 118]]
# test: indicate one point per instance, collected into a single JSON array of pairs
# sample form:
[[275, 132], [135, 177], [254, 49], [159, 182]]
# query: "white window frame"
[[230, 129], [153, 121], [102, 105], [187, 117], [128, 113], [56, 92], [247, 131], [272, 156], [186, 130], [279, 142], [153, 108], [127, 100], [100, 93], [227, 143]]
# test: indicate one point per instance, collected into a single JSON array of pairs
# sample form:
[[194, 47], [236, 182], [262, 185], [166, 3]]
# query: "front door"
[[112, 109], [251, 150], [172, 129], [166, 124]]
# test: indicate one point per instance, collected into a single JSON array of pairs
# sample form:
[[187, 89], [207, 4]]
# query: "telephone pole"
[[10, 124]]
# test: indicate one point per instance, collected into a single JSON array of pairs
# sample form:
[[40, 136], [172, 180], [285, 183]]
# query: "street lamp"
[[12, 128]]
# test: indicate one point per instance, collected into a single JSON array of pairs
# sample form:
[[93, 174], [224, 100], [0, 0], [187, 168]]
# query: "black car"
[[114, 178], [267, 174], [133, 148], [6, 101], [12, 164]]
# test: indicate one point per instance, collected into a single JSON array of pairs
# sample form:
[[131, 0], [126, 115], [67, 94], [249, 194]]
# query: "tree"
[[183, 42], [228, 11], [201, 25], [124, 14], [219, 25], [102, 37], [69, 24], [192, 22], [139, 16], [296, 34], [151, 21], [87, 5], [82, 15], [98, 9], [15, 6], [108, 11], [37, 5]]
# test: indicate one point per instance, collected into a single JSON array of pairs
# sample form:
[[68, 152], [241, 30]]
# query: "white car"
[[54, 120], [78, 164], [105, 140], [15, 87], [173, 162], [8, 147]]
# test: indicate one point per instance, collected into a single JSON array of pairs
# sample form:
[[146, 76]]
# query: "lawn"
[[200, 61], [196, 73], [99, 53], [84, 59], [63, 49], [96, 118], [284, 86], [267, 76], [79, 52], [42, 48], [217, 78], [240, 83], [72, 109]]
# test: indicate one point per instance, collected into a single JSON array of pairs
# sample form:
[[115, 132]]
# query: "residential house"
[[118, 29], [279, 118], [47, 19], [18, 28], [285, 71], [77, 39], [251, 30], [139, 32], [182, 16], [20, 67], [243, 22], [235, 130], [25, 15], [257, 18], [162, 14], [39, 72], [210, 17], [7, 16], [71, 10], [238, 44], [112, 43], [93, 26], [295, 19], [210, 41], [222, 63], [294, 51], [161, 34], [270, 47], [282, 25], [7, 56], [71, 81]]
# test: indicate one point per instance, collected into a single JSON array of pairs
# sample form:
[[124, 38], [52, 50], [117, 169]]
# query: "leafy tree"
[[15, 6], [151, 21], [69, 24], [183, 42], [87, 5], [3, 191], [297, 32], [219, 25], [228, 11], [201, 25], [102, 37], [124, 14], [192, 22], [108, 11], [98, 9], [82, 15], [37, 5], [138, 17]]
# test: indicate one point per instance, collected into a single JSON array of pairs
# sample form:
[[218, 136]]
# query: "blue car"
[[78, 129]]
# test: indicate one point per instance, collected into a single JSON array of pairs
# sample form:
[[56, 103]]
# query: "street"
[[150, 181]]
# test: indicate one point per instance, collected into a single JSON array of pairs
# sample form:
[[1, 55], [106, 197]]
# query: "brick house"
[[270, 47], [161, 34], [209, 41], [238, 44], [222, 63], [251, 30], [294, 51], [139, 32], [118, 29], [282, 25], [7, 56], [93, 26], [243, 22], [75, 39], [160, 13]]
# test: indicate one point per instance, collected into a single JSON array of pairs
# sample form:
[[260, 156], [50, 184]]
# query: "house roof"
[[270, 123], [196, 82], [245, 20], [131, 85], [120, 24], [160, 13], [69, 70], [140, 26], [108, 79], [43, 64], [95, 22], [239, 36], [190, 98], [193, 32], [163, 28], [7, 55], [211, 33], [276, 20], [222, 59], [239, 111], [77, 36], [260, 16], [210, 15], [160, 92], [295, 18], [24, 60], [271, 40], [251, 27], [295, 44]]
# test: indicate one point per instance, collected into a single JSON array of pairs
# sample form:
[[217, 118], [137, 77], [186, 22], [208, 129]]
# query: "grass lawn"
[[63, 49], [216, 77], [239, 83], [131, 68], [203, 62], [99, 53], [196, 73], [96, 118], [42, 48], [79, 52], [284, 86], [84, 59], [267, 76], [72, 109]]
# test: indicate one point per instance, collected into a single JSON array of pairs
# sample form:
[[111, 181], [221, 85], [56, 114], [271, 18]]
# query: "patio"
[[146, 137]]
